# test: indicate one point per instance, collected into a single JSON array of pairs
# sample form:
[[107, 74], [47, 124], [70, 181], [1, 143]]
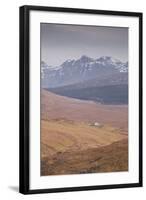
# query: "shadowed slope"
[[111, 158]]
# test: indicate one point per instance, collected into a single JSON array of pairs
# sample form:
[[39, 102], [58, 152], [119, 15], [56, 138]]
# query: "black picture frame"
[[25, 105]]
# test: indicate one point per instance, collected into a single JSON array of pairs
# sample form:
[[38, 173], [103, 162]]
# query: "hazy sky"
[[61, 42]]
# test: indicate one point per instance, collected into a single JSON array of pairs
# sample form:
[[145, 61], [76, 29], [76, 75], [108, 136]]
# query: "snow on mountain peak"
[[84, 66], [81, 69]]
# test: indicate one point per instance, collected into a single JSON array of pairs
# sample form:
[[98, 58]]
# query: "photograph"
[[80, 99], [83, 99]]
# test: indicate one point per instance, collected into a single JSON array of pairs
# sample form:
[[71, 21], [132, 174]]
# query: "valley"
[[79, 136]]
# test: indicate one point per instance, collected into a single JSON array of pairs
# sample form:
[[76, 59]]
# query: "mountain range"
[[103, 80], [80, 70]]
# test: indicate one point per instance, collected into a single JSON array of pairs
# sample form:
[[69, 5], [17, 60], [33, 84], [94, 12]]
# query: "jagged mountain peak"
[[68, 61], [104, 58], [85, 68], [85, 58]]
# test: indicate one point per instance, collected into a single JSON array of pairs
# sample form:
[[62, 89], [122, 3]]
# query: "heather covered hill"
[[79, 136], [55, 106], [110, 158]]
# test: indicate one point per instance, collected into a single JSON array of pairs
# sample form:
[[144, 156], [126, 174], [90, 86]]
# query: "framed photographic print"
[[80, 99]]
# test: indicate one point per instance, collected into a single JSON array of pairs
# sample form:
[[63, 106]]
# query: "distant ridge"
[[80, 70], [109, 94]]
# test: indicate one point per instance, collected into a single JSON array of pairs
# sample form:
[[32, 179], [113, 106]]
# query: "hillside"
[[110, 158], [82, 136], [62, 135], [109, 94], [105, 80], [55, 107]]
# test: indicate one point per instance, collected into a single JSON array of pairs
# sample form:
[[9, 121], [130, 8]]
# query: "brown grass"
[[111, 158], [71, 145], [64, 135], [54, 107]]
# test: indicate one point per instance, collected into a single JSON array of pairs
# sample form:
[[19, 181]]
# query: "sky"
[[60, 42]]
